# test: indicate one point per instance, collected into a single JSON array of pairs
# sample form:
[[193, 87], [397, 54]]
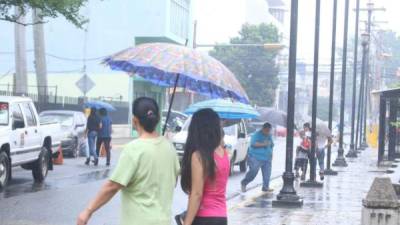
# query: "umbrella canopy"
[[273, 116], [172, 65], [323, 129], [99, 105], [226, 109]]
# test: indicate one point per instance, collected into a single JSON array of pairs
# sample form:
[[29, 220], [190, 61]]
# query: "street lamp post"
[[329, 170], [353, 151], [365, 39], [288, 195], [364, 144], [340, 160], [313, 167]]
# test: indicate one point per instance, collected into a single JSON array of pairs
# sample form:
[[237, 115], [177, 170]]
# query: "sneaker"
[[96, 162], [321, 175], [243, 188], [87, 162]]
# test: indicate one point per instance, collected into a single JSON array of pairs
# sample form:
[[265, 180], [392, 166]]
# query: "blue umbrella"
[[226, 109], [99, 105]]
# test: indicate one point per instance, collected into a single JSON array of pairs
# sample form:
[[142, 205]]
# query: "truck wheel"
[[5, 169], [243, 165], [232, 164], [40, 166]]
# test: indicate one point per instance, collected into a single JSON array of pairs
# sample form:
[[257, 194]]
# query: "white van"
[[236, 140]]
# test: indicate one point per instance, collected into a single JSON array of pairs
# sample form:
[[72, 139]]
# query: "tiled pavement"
[[338, 202]]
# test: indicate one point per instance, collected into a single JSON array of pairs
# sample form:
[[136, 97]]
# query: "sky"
[[218, 21]]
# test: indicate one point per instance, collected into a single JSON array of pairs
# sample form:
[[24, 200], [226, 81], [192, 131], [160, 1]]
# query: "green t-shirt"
[[148, 170]]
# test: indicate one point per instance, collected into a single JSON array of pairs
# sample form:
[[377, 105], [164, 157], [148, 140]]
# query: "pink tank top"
[[213, 203]]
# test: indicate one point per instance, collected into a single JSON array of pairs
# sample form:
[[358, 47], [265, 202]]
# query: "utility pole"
[[40, 56], [21, 77], [370, 9]]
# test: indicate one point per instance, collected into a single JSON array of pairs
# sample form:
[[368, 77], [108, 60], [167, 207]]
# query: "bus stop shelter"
[[388, 124]]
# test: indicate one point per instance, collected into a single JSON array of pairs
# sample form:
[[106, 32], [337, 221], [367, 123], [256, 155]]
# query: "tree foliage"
[[48, 8], [255, 67]]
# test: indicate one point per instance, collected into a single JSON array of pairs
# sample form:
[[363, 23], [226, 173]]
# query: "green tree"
[[48, 8], [255, 67]]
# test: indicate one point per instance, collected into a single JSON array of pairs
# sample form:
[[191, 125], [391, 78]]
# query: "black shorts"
[[210, 221]]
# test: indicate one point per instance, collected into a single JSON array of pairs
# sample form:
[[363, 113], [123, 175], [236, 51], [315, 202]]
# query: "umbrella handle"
[[170, 104]]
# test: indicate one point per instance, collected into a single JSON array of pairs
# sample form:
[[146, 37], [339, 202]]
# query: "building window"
[[179, 21]]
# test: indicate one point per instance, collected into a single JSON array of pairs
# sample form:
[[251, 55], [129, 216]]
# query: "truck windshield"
[[4, 114]]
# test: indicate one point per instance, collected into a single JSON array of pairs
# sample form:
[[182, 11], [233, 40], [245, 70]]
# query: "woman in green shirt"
[[146, 173]]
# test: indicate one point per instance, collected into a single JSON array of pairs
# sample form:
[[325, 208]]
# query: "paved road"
[[67, 190]]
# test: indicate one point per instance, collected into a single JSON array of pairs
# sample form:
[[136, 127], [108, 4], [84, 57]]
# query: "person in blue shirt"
[[104, 136], [260, 157]]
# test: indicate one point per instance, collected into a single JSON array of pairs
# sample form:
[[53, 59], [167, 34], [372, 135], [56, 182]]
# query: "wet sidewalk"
[[338, 202]]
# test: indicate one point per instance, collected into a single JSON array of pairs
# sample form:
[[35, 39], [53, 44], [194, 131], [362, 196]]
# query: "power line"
[[61, 57]]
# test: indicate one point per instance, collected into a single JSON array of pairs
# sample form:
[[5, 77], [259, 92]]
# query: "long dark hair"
[[204, 136], [147, 112]]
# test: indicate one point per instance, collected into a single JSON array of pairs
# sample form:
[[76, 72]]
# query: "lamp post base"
[[330, 172], [340, 160], [288, 201], [312, 184], [352, 154], [364, 145], [288, 197]]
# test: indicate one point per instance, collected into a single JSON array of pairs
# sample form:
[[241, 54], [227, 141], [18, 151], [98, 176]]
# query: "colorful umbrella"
[[226, 109], [172, 65], [161, 63]]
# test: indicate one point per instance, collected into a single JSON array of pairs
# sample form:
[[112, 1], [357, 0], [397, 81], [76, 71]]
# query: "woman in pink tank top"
[[205, 171]]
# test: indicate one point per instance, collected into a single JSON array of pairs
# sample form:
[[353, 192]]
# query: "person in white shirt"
[[322, 142]]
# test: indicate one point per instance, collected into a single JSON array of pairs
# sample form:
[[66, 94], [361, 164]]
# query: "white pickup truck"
[[24, 141], [236, 140]]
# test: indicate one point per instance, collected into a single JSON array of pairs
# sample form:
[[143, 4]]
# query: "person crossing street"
[[260, 157]]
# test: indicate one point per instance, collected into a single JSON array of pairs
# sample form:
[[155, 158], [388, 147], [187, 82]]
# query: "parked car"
[[236, 140], [176, 119], [73, 125], [24, 140]]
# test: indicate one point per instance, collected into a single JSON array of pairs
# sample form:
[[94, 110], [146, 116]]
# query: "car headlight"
[[179, 146]]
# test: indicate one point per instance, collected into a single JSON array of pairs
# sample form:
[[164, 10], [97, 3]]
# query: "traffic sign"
[[85, 84]]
